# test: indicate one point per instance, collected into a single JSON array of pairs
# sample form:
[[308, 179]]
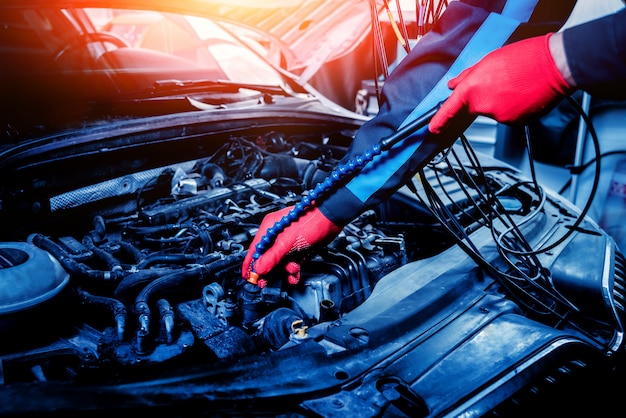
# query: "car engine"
[[156, 278]]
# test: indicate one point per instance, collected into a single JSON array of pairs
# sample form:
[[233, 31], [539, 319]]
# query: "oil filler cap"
[[29, 276]]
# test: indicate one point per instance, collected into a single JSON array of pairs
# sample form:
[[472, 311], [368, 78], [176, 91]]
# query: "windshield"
[[199, 42], [63, 67]]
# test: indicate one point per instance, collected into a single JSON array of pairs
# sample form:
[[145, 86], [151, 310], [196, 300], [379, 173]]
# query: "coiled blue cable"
[[343, 171]]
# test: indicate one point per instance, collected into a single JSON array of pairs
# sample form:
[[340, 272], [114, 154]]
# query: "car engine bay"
[[148, 277], [153, 285]]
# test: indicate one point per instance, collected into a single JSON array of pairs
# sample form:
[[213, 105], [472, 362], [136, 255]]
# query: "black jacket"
[[596, 54]]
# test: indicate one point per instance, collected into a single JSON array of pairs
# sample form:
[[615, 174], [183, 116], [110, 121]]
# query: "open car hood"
[[327, 44], [309, 31], [49, 66]]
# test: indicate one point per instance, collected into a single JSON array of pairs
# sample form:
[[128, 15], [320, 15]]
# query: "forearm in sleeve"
[[466, 32], [596, 55]]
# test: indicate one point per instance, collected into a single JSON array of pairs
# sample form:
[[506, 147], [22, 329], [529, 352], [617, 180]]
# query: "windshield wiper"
[[161, 86]]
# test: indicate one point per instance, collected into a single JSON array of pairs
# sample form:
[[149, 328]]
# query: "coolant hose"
[[116, 307], [73, 267]]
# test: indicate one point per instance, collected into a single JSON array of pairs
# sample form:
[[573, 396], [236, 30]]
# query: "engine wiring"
[[525, 278], [594, 187]]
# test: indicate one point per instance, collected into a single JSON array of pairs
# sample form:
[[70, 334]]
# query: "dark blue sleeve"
[[596, 54], [467, 31]]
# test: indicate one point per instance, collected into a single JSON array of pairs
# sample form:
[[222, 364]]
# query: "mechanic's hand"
[[311, 229], [510, 85]]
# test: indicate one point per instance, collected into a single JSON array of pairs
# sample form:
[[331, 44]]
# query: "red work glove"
[[510, 85], [311, 229]]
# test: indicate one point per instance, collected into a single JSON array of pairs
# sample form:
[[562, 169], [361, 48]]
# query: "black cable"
[[513, 284], [531, 160], [379, 41], [579, 169], [594, 187], [526, 279]]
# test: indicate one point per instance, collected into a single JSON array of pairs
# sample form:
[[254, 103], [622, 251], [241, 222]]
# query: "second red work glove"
[[510, 85], [311, 229]]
